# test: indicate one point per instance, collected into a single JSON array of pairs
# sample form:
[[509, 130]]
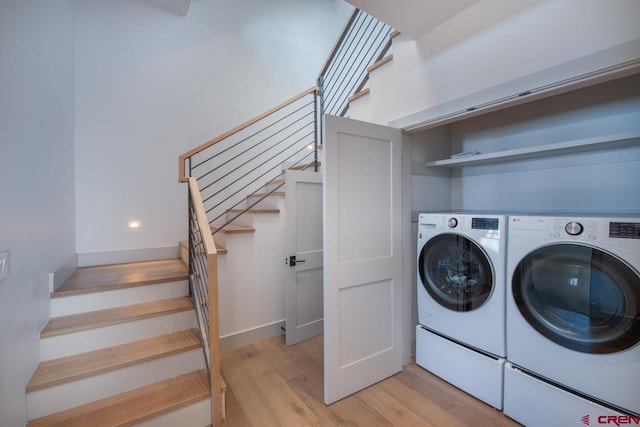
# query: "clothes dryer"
[[461, 300], [573, 318]]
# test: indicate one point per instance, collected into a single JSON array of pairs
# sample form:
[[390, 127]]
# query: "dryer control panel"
[[624, 230], [620, 232]]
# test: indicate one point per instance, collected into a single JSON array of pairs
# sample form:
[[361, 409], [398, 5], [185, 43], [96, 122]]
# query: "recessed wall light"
[[135, 224]]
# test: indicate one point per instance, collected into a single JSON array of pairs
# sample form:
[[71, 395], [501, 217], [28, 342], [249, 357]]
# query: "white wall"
[[493, 42], [252, 279], [598, 182], [152, 84], [36, 180]]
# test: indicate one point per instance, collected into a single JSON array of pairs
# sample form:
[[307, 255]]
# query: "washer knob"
[[452, 223], [574, 228]]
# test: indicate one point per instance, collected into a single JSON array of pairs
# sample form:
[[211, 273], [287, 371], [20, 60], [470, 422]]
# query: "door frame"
[[295, 333]]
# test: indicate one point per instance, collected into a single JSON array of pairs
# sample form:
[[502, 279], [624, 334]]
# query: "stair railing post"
[[190, 239], [214, 340], [317, 127]]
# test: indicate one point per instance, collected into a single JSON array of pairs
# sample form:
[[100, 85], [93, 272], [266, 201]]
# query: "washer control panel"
[[583, 228], [574, 228], [617, 231]]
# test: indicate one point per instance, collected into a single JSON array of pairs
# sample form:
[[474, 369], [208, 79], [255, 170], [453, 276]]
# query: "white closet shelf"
[[565, 147]]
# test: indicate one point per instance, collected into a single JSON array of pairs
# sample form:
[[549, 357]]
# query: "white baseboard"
[[65, 271], [249, 336], [88, 259]]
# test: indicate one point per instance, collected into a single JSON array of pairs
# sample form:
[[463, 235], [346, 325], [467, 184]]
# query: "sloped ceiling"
[[413, 17], [181, 7]]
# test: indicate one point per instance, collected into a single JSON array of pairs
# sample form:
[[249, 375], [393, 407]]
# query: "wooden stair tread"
[[276, 181], [307, 166], [255, 211], [380, 63], [109, 277], [66, 369], [357, 95], [232, 228], [275, 193], [112, 316], [133, 406]]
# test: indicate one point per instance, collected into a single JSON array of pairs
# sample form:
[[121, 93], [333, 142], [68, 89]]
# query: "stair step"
[[111, 298], [71, 368], [276, 181], [260, 195], [233, 229], [134, 406], [82, 341], [254, 211], [110, 277], [360, 94], [96, 319], [380, 63], [307, 166]]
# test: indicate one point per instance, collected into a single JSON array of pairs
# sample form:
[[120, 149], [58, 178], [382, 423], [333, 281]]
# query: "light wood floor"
[[269, 384]]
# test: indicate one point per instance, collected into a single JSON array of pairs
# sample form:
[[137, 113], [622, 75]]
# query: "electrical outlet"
[[4, 264]]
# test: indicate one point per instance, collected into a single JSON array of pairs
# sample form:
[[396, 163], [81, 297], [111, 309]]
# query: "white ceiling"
[[181, 7], [413, 17]]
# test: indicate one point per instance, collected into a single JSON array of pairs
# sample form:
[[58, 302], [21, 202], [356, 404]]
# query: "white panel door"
[[303, 198], [363, 255]]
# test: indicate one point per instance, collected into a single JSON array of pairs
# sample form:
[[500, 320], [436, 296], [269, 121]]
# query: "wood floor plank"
[[463, 406], [261, 373], [394, 411], [235, 414], [289, 410], [71, 368], [253, 402], [108, 277], [96, 319], [429, 412], [134, 406]]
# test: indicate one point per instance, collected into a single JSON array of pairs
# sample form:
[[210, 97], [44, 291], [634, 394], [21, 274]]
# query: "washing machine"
[[573, 320], [461, 300]]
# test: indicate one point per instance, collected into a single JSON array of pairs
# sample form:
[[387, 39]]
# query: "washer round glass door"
[[579, 297], [456, 272]]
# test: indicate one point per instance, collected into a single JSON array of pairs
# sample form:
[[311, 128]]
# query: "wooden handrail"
[[215, 373], [181, 173], [201, 215]]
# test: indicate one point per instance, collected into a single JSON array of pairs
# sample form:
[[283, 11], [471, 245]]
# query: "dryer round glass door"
[[579, 297], [456, 272]]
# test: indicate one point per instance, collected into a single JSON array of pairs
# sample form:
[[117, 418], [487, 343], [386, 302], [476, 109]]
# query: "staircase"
[[123, 345], [373, 88], [122, 348], [240, 220]]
